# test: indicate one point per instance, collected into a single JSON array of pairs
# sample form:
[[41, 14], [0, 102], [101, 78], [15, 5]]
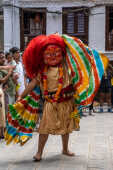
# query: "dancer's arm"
[[28, 89]]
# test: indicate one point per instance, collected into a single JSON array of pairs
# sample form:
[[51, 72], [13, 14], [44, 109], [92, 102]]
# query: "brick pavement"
[[93, 146]]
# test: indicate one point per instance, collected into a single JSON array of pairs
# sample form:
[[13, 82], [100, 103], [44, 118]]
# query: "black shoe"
[[90, 114], [2, 137], [83, 115], [110, 110]]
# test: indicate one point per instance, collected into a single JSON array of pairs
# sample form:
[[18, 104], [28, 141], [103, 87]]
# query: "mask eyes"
[[54, 53]]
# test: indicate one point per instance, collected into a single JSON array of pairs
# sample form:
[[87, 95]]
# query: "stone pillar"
[[54, 21], [7, 28], [11, 27], [16, 28], [97, 28]]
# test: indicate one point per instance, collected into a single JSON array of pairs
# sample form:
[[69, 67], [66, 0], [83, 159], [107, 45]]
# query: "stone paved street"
[[93, 146]]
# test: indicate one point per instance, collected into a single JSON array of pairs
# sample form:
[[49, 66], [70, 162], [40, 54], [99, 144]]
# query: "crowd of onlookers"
[[12, 82]]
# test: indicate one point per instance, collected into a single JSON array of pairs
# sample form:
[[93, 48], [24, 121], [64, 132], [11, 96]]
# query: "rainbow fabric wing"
[[22, 118], [87, 67]]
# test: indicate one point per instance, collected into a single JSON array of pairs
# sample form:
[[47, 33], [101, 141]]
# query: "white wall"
[[16, 28], [97, 28], [11, 27], [54, 21]]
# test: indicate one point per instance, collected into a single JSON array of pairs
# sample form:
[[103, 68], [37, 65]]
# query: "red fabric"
[[33, 55]]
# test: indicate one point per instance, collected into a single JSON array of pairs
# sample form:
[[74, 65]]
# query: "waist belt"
[[66, 94]]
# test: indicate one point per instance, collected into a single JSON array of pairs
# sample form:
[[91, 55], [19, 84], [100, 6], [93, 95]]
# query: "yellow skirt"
[[57, 119]]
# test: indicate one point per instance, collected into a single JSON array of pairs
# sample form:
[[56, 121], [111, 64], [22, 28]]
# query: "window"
[[32, 24], [75, 23], [109, 28]]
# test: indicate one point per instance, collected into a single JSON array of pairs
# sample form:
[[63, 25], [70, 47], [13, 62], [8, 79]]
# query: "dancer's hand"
[[19, 98]]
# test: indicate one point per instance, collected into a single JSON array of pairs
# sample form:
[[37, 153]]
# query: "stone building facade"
[[90, 20]]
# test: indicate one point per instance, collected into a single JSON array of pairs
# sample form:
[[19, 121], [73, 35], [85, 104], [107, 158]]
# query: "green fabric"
[[32, 102], [11, 86], [21, 121]]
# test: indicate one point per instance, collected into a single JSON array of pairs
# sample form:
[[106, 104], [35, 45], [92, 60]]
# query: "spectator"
[[91, 110], [11, 62], [110, 67], [111, 38], [105, 91], [36, 24], [19, 68], [7, 81], [2, 56], [5, 73]]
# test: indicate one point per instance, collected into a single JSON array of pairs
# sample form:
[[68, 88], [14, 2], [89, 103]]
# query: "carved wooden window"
[[29, 28], [109, 28], [75, 23]]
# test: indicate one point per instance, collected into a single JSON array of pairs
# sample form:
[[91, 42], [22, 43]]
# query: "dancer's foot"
[[68, 153], [37, 157]]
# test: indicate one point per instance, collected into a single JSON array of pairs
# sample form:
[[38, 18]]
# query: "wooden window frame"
[[107, 43], [82, 36], [40, 10]]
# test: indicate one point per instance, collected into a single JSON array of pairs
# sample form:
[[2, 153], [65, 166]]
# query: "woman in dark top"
[[105, 91]]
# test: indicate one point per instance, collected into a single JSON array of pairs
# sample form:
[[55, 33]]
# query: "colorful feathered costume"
[[85, 67]]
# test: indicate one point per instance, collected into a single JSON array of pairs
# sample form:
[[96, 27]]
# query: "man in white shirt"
[[19, 69]]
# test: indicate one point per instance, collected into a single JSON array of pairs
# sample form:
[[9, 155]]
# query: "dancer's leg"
[[42, 141], [65, 140]]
